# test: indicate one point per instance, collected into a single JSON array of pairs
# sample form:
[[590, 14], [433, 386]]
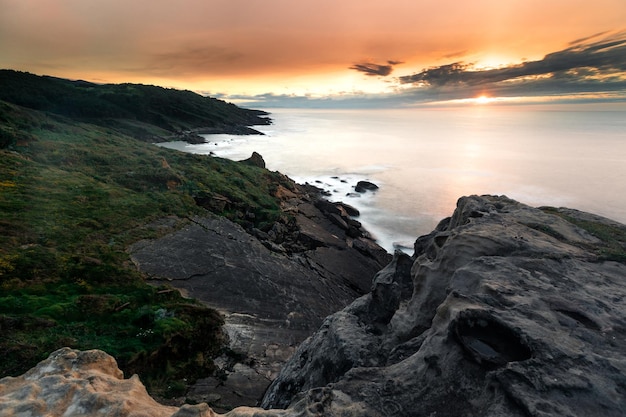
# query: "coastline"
[[425, 158], [273, 288], [335, 187], [504, 310]]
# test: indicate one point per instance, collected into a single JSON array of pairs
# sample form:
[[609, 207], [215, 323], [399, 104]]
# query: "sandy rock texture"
[[72, 383], [75, 383]]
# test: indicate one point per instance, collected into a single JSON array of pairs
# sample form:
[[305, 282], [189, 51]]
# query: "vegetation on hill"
[[143, 111], [73, 196]]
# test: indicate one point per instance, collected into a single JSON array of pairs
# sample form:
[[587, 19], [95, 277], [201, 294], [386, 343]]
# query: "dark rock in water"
[[351, 211], [328, 207], [363, 186], [256, 159]]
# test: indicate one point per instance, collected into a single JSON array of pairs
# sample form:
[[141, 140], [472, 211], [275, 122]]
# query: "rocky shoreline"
[[503, 310], [273, 288], [193, 136]]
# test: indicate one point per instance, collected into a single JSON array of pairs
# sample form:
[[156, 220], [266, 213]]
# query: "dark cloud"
[[586, 38], [567, 90], [371, 69], [455, 54], [340, 101], [591, 62], [586, 71]]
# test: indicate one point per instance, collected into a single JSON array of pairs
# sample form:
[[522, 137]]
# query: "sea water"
[[424, 159]]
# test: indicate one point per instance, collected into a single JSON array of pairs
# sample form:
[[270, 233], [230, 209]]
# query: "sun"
[[483, 99]]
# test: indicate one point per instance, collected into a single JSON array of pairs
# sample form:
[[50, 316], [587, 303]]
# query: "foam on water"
[[425, 159]]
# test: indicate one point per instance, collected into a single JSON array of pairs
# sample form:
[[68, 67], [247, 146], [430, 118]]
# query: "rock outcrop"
[[503, 310], [513, 312], [274, 288], [255, 160], [74, 383]]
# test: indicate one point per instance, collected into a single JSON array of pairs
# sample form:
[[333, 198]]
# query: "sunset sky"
[[299, 52]]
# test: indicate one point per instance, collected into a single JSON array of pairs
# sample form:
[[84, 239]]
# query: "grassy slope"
[[141, 110], [73, 196]]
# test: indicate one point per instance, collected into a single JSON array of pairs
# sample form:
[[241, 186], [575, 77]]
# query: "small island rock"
[[363, 186]]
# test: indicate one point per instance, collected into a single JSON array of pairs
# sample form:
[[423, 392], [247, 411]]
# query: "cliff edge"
[[273, 288], [515, 311], [503, 310]]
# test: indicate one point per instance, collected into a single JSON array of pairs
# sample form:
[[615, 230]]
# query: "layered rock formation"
[[504, 310], [274, 288]]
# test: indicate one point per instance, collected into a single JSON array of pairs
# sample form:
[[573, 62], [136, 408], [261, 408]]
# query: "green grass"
[[150, 331], [140, 110], [612, 238], [73, 197]]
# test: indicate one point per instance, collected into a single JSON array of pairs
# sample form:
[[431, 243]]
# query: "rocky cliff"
[[504, 310], [274, 288], [513, 312]]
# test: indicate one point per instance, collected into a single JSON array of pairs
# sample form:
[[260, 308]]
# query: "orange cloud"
[[209, 41]]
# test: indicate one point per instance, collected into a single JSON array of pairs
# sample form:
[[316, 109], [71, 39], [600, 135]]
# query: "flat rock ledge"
[[503, 310], [274, 288]]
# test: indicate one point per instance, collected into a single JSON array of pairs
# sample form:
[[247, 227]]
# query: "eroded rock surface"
[[71, 383], [513, 313], [504, 310]]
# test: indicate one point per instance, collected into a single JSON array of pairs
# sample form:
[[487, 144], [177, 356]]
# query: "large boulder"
[[72, 383], [363, 186], [515, 311]]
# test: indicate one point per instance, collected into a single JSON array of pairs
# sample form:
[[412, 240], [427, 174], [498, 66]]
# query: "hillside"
[[75, 191], [144, 111]]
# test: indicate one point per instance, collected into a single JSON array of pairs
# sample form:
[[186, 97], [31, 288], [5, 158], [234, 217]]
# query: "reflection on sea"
[[424, 159]]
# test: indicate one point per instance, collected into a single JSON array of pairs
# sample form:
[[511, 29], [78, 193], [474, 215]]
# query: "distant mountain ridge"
[[130, 108]]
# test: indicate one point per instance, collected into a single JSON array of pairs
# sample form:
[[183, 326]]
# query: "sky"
[[328, 52]]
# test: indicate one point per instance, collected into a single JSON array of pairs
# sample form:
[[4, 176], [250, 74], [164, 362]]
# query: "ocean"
[[424, 159]]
